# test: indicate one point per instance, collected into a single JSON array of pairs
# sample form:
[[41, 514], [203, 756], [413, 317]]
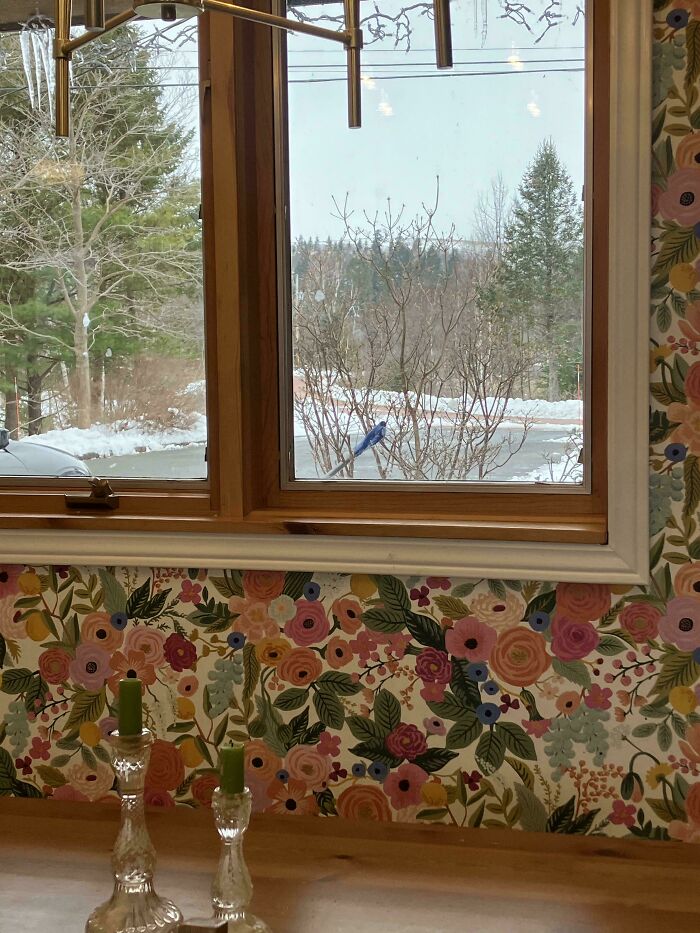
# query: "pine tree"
[[542, 273]]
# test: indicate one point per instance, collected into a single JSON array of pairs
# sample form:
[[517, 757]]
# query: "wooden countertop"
[[314, 875]]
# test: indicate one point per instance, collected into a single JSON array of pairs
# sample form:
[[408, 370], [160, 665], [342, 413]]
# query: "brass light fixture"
[[350, 37]]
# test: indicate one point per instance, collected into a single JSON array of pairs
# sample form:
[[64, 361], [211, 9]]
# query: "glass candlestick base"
[[232, 888], [134, 906]]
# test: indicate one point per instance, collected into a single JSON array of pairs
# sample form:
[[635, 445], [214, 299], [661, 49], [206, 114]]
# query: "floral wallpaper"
[[569, 708]]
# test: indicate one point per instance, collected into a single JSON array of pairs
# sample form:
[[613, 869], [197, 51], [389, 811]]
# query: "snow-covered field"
[[128, 438], [118, 440]]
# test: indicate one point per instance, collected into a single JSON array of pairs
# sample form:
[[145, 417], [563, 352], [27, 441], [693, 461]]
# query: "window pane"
[[101, 307], [437, 260]]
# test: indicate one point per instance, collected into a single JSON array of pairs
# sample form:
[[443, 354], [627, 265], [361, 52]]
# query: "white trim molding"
[[624, 559]]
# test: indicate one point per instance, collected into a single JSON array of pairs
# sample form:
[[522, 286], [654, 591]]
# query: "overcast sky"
[[464, 129]]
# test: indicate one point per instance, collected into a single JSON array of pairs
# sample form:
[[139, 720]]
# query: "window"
[[291, 395]]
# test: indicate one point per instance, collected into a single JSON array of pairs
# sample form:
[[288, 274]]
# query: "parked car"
[[28, 458]]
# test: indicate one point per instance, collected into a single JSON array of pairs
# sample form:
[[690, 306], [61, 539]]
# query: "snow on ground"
[[109, 440]]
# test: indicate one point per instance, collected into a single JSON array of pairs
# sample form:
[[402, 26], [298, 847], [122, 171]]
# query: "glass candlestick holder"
[[134, 906], [232, 889]]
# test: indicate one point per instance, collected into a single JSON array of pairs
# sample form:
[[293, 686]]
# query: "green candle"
[[130, 722], [231, 764]]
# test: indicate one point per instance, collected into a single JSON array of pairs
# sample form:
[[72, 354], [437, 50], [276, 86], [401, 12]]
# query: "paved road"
[[188, 462]]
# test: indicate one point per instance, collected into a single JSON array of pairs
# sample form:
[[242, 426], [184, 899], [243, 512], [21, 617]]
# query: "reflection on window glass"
[[437, 269], [101, 308]]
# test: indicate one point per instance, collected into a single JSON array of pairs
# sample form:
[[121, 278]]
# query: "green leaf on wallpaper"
[[490, 752], [466, 730], [664, 736], [451, 607], [667, 810], [3, 650], [375, 751], [113, 593], [463, 687], [663, 318], [517, 740], [387, 711], [657, 124], [386, 621], [365, 729], [561, 818], [522, 770], [251, 667], [433, 813], [450, 707], [665, 394], [545, 602], [228, 585], [462, 590], [435, 759], [7, 768], [338, 682], [498, 588], [533, 816], [393, 593], [53, 777], [25, 789], [326, 802], [575, 671], [609, 645], [691, 476], [219, 732], [292, 698], [294, 583], [138, 601], [86, 707], [36, 690], [678, 244], [329, 708], [692, 44], [677, 670], [298, 725], [16, 680], [426, 631], [656, 552]]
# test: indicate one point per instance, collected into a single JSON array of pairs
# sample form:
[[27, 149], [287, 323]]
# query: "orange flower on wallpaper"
[[520, 657]]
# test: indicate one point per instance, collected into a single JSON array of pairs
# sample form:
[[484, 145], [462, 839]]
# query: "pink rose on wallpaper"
[[470, 639], [433, 666], [681, 199], [179, 652], [641, 621], [9, 579], [681, 624], [310, 625], [263, 584], [150, 641], [54, 665], [573, 640], [90, 667], [406, 741], [403, 786], [583, 602]]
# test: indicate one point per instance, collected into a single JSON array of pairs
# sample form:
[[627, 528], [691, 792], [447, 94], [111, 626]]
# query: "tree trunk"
[[82, 375], [11, 404], [34, 408], [553, 374]]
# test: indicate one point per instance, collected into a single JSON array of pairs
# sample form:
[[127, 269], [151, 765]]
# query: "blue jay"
[[372, 437]]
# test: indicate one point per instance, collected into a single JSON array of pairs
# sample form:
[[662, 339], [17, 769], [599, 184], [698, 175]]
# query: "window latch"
[[100, 497]]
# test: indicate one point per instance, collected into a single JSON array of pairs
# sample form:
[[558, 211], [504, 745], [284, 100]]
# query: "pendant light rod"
[[280, 22], [350, 38], [354, 46], [72, 44], [443, 33], [95, 15], [64, 9]]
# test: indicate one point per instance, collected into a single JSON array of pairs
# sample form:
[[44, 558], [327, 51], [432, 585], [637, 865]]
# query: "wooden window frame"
[[583, 534]]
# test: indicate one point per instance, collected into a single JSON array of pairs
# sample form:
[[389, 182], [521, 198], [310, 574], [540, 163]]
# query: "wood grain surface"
[[316, 875]]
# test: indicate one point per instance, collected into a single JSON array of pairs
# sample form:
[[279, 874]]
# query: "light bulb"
[[166, 11]]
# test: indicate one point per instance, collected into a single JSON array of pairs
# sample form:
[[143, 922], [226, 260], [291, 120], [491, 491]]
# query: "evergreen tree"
[[541, 278]]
